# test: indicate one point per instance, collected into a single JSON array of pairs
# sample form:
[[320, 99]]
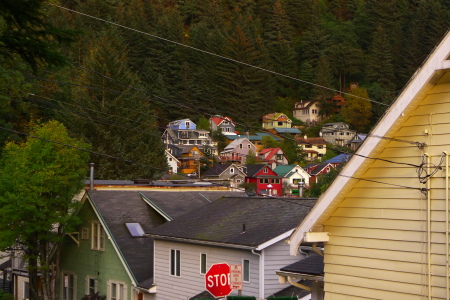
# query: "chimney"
[[91, 178]]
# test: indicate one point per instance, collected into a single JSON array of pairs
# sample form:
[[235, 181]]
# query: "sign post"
[[217, 280], [236, 277]]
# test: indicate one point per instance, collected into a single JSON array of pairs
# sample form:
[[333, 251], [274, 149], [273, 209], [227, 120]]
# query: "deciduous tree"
[[38, 180]]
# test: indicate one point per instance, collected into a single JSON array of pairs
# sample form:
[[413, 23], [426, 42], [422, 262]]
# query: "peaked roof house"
[[224, 124], [272, 156], [184, 124], [293, 178], [337, 133], [384, 221], [307, 111], [315, 170], [339, 159], [244, 231], [227, 174], [274, 120], [172, 161], [315, 147], [266, 181], [356, 141], [109, 254], [255, 138], [237, 151]]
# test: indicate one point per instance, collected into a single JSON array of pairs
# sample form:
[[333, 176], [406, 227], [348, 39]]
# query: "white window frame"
[[203, 263], [97, 236], [88, 286], [175, 263], [63, 285], [118, 286], [232, 170], [244, 270]]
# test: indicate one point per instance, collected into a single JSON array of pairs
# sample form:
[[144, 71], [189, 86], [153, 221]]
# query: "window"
[[265, 170], [306, 111], [188, 124], [238, 181], [91, 285], [175, 262], [280, 123], [314, 111], [194, 153], [248, 146], [84, 233], [135, 229], [170, 158], [232, 170], [69, 286], [276, 180], [308, 146], [203, 263], [246, 270], [279, 156], [319, 146], [26, 290], [97, 239], [117, 290], [240, 146]]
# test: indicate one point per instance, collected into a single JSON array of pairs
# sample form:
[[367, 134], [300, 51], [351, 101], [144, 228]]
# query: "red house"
[[266, 180]]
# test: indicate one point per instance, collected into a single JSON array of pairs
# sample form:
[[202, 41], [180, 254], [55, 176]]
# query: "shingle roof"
[[343, 157], [237, 222], [216, 170], [252, 169], [311, 140], [312, 265], [120, 207], [319, 168]]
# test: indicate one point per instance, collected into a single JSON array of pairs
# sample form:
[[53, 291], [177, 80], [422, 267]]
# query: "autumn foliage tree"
[[358, 110]]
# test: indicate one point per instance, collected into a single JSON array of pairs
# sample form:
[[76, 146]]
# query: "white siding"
[[276, 257], [191, 282]]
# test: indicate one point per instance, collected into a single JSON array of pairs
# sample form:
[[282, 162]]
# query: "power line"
[[214, 54], [81, 149], [396, 185]]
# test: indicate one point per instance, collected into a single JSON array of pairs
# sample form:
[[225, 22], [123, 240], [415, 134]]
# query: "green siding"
[[81, 260]]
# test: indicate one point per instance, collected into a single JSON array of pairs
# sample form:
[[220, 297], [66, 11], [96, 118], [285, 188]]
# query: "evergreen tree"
[[116, 118]]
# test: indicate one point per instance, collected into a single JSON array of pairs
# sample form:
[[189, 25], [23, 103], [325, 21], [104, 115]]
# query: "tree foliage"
[[358, 110], [38, 180]]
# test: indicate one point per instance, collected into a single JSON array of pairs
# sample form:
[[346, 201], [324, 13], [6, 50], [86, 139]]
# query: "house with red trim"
[[224, 124], [273, 157], [266, 180], [315, 170]]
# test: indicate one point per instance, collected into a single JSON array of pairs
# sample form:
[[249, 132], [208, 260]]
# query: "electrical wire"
[[214, 54], [422, 172], [81, 149]]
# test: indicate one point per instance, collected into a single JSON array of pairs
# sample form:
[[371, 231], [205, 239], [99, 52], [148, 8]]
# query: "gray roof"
[[312, 265], [287, 130], [216, 170], [118, 207], [237, 222]]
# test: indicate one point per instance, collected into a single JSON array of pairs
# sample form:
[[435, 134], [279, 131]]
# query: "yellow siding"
[[378, 232]]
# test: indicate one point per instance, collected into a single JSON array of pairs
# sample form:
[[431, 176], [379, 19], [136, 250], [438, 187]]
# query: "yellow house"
[[384, 222]]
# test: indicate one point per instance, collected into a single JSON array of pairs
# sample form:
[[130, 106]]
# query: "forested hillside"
[[119, 87]]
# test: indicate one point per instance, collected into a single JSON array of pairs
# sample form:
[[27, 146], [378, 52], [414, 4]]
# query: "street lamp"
[[269, 187]]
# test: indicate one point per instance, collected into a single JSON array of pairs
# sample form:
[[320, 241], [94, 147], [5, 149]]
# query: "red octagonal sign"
[[217, 280]]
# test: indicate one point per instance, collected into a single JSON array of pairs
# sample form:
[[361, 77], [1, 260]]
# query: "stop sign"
[[217, 280]]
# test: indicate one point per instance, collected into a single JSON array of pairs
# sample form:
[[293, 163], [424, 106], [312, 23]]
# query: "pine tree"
[[117, 119]]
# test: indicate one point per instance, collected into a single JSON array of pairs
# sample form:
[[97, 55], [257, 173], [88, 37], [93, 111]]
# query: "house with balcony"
[[315, 147], [237, 151], [337, 133]]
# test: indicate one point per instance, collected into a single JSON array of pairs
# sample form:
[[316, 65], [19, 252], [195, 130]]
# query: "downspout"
[[428, 228], [446, 226], [261, 273]]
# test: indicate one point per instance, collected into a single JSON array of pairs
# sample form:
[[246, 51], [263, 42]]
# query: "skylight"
[[135, 229]]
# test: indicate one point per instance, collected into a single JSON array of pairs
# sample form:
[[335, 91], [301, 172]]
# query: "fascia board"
[[275, 240]]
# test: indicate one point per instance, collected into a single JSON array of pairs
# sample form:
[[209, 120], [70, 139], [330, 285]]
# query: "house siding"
[[378, 233], [81, 260], [276, 256], [191, 282]]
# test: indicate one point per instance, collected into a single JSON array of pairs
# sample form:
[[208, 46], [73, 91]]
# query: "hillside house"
[[172, 161], [356, 141], [272, 157], [245, 231], [293, 178], [337, 133], [226, 174], [315, 147], [307, 111], [223, 124], [315, 170], [384, 225], [237, 151], [266, 181], [276, 120], [255, 138]]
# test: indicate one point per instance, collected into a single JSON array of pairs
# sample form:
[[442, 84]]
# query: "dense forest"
[[116, 72]]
